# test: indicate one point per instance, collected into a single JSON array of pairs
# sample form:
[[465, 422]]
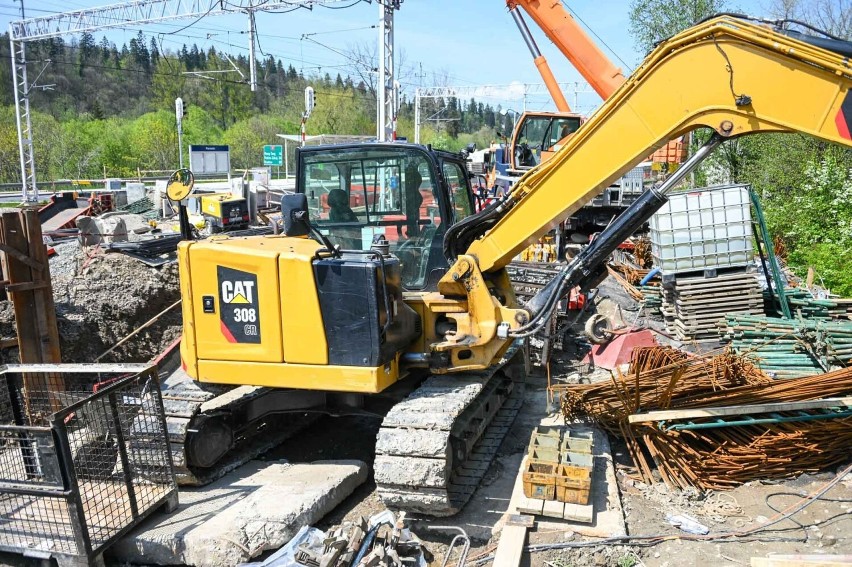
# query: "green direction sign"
[[273, 155]]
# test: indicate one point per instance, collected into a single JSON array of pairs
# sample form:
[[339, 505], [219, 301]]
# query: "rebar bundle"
[[656, 378], [710, 452]]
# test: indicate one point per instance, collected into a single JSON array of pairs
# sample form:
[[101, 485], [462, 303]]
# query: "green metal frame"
[[770, 252]]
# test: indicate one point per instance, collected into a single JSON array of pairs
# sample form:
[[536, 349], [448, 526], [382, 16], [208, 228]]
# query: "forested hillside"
[[111, 109]]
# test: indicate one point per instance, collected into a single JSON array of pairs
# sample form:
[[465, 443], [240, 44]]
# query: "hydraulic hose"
[[587, 264]]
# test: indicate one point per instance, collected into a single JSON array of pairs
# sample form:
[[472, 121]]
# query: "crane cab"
[[539, 135]]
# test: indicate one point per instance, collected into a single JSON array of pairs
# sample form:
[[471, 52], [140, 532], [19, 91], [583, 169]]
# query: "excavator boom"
[[726, 74]]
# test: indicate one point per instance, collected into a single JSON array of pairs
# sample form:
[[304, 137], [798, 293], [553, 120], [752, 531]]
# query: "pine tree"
[[155, 53]]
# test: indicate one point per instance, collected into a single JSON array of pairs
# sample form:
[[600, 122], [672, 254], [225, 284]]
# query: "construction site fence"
[[84, 457]]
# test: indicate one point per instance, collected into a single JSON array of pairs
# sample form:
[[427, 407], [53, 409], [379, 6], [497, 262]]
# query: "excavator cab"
[[539, 135], [326, 310], [405, 194]]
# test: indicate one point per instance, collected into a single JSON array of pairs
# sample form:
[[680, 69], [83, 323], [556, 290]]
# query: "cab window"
[[561, 128], [356, 196], [456, 179]]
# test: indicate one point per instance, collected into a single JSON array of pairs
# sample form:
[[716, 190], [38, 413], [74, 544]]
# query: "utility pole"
[[29, 189], [252, 31], [417, 115], [179, 112], [385, 111], [309, 107]]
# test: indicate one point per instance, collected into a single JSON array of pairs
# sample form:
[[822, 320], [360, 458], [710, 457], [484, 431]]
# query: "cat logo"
[[240, 310], [238, 292]]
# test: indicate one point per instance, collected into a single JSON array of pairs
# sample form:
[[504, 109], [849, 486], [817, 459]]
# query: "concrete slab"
[[256, 508]]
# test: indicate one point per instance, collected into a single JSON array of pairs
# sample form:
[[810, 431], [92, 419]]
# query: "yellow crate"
[[539, 480], [577, 465], [570, 489], [547, 454], [577, 442], [541, 441], [548, 431]]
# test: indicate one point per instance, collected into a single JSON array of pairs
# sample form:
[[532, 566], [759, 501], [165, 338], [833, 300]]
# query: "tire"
[[598, 329]]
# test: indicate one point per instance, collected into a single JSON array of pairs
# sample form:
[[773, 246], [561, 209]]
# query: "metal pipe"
[[540, 63], [415, 358], [758, 421], [690, 164], [525, 32], [588, 264]]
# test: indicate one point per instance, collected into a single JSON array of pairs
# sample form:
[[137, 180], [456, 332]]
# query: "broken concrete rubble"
[[259, 507], [112, 227]]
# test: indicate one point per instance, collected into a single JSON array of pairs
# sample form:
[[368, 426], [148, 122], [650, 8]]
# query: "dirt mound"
[[102, 300], [110, 297]]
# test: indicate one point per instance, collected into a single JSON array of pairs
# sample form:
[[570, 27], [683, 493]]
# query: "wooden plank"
[[532, 506], [667, 415], [578, 513], [26, 286], [35, 314], [23, 302], [21, 257], [46, 309], [521, 520], [511, 546]]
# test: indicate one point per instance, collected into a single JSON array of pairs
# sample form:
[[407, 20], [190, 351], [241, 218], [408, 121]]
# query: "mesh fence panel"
[[100, 437]]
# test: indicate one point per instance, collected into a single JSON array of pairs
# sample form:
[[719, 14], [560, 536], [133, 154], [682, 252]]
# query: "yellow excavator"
[[383, 277]]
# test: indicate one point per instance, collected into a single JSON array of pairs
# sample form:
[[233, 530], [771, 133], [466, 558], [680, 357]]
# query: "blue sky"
[[461, 42]]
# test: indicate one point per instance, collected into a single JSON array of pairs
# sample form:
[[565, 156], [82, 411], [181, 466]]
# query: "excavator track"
[[200, 422], [434, 447]]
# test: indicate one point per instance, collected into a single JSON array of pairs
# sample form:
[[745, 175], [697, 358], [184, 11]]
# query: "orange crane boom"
[[592, 63], [541, 64], [555, 21]]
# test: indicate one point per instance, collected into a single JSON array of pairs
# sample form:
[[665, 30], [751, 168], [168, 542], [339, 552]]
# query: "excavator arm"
[[727, 74]]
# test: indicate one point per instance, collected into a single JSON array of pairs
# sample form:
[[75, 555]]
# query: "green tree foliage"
[[652, 21], [806, 189], [111, 111]]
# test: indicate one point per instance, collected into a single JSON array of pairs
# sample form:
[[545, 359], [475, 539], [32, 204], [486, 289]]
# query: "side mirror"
[[180, 185], [294, 213]]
